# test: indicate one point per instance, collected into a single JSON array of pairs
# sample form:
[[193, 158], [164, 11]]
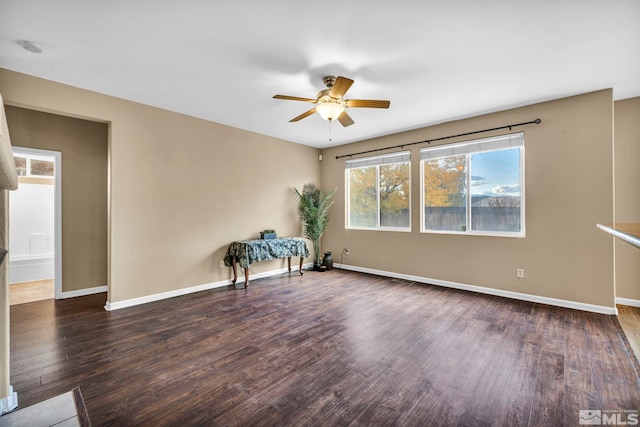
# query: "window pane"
[[394, 195], [445, 193], [495, 191], [21, 165], [41, 167], [363, 206]]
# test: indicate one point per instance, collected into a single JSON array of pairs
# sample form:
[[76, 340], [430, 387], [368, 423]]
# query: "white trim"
[[10, 402], [82, 292], [405, 160], [492, 143], [490, 291], [384, 159], [627, 301], [38, 257], [30, 268], [467, 148], [57, 212], [110, 306]]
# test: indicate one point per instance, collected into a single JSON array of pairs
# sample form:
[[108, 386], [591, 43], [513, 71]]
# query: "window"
[[41, 167], [379, 192], [21, 165], [34, 166], [475, 187]]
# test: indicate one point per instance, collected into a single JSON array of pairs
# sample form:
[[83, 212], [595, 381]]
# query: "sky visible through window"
[[496, 173]]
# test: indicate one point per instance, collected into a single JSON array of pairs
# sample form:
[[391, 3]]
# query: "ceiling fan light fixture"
[[330, 102], [330, 109]]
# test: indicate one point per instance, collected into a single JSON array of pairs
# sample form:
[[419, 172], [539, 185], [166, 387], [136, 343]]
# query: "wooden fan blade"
[[303, 115], [345, 120], [340, 87], [293, 98], [367, 103]]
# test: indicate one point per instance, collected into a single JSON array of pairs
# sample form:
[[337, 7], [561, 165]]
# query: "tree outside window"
[[379, 192], [445, 193], [475, 187]]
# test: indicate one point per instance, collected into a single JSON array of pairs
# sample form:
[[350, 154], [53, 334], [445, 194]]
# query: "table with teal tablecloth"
[[246, 252]]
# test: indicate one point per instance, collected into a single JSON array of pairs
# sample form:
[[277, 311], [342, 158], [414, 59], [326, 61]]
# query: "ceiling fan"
[[331, 105]]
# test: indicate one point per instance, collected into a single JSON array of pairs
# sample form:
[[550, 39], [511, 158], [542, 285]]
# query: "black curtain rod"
[[429, 141]]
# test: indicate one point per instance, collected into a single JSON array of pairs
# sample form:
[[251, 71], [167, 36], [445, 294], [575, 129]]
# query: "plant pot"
[[327, 261]]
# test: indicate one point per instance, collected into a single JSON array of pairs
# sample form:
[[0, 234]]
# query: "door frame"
[[57, 211]]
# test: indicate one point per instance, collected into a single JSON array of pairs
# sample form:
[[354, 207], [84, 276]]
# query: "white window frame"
[[377, 161], [468, 148]]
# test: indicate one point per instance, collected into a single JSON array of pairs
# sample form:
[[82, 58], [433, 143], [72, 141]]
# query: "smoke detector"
[[30, 46]]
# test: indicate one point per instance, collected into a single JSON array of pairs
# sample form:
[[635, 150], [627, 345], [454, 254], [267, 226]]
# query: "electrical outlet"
[[346, 251], [221, 264], [520, 273]]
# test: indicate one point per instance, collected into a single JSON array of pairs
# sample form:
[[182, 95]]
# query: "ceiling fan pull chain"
[[330, 121]]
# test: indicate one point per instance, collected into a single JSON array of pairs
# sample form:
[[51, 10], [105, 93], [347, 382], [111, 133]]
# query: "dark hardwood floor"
[[333, 348]]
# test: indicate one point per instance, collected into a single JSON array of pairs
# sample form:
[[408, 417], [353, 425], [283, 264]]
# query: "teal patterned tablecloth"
[[250, 251]]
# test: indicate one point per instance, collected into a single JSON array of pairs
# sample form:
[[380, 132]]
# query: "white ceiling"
[[223, 60]]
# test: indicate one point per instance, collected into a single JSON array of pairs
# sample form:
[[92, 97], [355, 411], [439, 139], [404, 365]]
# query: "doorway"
[[35, 231]]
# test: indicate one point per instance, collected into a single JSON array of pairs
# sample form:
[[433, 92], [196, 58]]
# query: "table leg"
[[246, 277], [289, 263], [301, 260], [235, 271]]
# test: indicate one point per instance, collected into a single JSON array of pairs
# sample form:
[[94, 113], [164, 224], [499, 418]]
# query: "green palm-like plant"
[[313, 206]]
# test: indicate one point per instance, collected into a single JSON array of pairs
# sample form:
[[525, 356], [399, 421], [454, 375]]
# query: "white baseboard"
[[29, 269], [629, 302], [81, 292], [489, 291], [10, 402], [462, 286], [110, 306]]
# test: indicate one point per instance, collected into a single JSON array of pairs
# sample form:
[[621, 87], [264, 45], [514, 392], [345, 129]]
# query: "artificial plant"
[[313, 206]]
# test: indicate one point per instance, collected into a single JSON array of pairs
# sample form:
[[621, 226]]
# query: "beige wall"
[[181, 188], [569, 189], [83, 145], [627, 178]]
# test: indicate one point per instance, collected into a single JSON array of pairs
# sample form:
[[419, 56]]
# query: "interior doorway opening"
[[35, 227]]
